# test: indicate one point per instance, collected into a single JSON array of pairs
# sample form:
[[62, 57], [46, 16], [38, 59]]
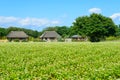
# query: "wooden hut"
[[78, 38], [17, 35], [50, 36]]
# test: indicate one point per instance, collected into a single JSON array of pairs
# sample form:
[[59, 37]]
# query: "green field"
[[60, 61]]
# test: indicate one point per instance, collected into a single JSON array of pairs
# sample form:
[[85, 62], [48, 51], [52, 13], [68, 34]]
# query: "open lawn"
[[60, 61]]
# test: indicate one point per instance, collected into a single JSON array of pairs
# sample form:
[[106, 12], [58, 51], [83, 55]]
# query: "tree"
[[118, 30], [50, 29], [79, 26], [63, 31], [2, 32], [96, 26]]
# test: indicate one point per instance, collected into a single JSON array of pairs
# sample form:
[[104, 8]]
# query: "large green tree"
[[95, 26]]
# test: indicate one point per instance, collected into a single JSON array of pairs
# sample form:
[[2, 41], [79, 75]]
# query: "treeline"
[[64, 31], [95, 26]]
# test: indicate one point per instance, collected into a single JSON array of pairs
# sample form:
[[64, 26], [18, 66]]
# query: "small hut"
[[78, 38], [17, 35], [50, 36]]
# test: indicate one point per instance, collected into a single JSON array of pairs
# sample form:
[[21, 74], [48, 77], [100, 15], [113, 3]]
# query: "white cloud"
[[115, 16], [55, 22], [27, 21], [33, 21], [7, 19], [95, 10]]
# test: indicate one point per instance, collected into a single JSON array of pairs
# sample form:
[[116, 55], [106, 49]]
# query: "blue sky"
[[38, 14]]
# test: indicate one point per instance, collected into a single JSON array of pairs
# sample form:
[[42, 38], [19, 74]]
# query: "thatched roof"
[[50, 34], [17, 34]]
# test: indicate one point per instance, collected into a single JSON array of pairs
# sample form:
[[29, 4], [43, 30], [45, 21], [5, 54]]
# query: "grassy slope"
[[60, 61]]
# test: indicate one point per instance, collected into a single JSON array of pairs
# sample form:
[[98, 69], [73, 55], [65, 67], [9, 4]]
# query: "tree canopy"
[[2, 32], [96, 26]]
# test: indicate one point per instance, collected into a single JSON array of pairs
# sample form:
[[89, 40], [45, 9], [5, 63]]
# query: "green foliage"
[[118, 30], [50, 29], [16, 40], [95, 26], [63, 31], [113, 38], [36, 40], [60, 61], [2, 32]]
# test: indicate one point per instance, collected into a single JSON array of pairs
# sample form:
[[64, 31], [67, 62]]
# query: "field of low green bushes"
[[59, 61]]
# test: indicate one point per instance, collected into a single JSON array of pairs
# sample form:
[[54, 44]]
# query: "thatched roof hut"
[[50, 36], [21, 35]]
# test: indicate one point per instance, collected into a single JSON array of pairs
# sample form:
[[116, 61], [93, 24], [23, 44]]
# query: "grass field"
[[60, 61]]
